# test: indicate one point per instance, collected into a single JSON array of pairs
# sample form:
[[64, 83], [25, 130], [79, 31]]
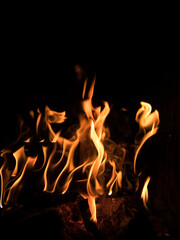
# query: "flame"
[[144, 194], [148, 124], [115, 178], [58, 163], [18, 184], [91, 131], [96, 163]]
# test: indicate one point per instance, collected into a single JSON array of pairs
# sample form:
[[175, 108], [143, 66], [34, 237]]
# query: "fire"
[[144, 194], [79, 159], [148, 125], [96, 163], [116, 178]]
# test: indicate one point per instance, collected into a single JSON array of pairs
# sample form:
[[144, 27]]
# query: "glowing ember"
[[56, 163]]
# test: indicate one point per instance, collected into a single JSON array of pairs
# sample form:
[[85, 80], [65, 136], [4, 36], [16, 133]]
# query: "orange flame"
[[148, 124], [144, 194], [18, 184], [96, 164], [58, 162], [115, 178], [91, 130]]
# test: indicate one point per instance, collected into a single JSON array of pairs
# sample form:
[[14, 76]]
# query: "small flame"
[[148, 124], [144, 194], [115, 178], [18, 184]]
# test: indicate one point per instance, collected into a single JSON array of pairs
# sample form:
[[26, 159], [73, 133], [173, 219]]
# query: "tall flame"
[[96, 164]]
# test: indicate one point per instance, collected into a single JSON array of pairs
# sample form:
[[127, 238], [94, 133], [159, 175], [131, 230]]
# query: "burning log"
[[114, 215], [66, 219]]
